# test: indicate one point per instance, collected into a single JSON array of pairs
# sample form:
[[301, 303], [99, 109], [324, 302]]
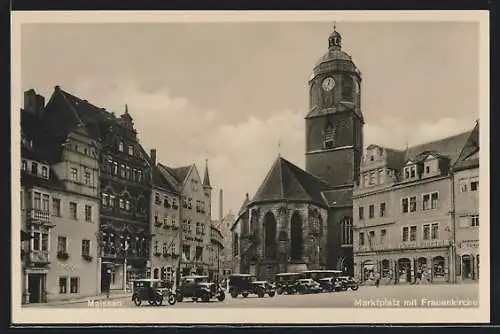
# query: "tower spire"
[[206, 179], [279, 148]]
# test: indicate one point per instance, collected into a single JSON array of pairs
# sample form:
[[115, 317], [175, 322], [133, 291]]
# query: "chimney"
[[33, 102], [153, 156], [221, 206]]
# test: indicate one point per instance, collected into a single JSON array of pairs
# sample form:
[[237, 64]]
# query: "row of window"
[[164, 274], [373, 178], [121, 148], [123, 203], [173, 220], [186, 227], [469, 221], [166, 203], [124, 171], [430, 231], [198, 256], [36, 169], [40, 242], [371, 211], [429, 169], [62, 246], [429, 202], [156, 247], [467, 185], [75, 177], [41, 202], [74, 285]]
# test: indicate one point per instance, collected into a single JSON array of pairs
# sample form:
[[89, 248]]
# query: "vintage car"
[[199, 287], [286, 283], [330, 284], [154, 291], [308, 285], [348, 282], [246, 284]]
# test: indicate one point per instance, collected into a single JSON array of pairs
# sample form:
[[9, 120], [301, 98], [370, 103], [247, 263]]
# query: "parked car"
[[154, 291], [330, 284], [199, 287], [308, 285], [286, 283], [246, 284], [348, 282]]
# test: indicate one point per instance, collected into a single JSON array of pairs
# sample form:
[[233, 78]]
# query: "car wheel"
[[171, 300], [137, 301], [354, 288], [152, 301], [234, 293], [272, 294], [159, 300], [245, 294], [221, 296]]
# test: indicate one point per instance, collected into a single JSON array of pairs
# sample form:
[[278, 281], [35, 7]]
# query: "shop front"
[[468, 261]]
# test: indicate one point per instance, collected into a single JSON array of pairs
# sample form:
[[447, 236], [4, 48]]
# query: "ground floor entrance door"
[[36, 287]]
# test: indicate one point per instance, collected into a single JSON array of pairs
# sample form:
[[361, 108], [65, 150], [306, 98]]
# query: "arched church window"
[[346, 231], [347, 88], [329, 137]]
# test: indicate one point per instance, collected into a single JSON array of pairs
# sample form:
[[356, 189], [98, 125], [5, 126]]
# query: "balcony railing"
[[39, 257], [39, 215]]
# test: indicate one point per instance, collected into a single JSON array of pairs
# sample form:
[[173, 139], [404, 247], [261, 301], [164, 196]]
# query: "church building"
[[302, 219]]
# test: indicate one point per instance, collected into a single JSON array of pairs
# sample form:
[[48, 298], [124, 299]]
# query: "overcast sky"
[[230, 92]]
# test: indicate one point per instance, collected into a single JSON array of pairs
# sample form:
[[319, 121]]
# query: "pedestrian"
[[377, 280]]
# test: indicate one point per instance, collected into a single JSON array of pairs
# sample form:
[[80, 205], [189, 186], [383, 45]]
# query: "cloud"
[[240, 154]]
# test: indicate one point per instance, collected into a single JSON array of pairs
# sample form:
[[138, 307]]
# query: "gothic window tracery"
[[346, 231], [296, 237]]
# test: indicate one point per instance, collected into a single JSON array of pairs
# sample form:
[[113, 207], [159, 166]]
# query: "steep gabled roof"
[[286, 181], [161, 181], [338, 197], [469, 156]]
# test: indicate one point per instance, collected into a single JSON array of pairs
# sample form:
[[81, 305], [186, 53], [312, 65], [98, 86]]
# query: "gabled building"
[[215, 254], [60, 207], [124, 237], [404, 228], [195, 216], [165, 225], [465, 173]]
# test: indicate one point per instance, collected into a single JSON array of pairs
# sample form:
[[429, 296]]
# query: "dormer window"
[[410, 172], [45, 172], [34, 168], [329, 140]]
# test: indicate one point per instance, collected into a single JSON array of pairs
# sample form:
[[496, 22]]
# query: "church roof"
[[206, 178], [285, 181], [338, 197]]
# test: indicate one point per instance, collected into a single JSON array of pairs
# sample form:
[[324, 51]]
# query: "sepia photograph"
[[259, 167]]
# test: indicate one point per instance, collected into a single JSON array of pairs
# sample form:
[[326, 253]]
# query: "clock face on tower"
[[328, 84]]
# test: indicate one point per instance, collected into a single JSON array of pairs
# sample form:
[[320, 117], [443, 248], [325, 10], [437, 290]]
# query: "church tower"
[[334, 124]]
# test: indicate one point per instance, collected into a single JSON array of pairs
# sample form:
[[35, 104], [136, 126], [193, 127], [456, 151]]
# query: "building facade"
[[303, 219], [466, 195], [195, 217], [124, 236], [60, 182], [215, 254], [404, 223], [165, 226], [224, 224]]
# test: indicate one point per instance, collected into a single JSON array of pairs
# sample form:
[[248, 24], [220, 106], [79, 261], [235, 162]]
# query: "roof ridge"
[[75, 113], [442, 139]]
